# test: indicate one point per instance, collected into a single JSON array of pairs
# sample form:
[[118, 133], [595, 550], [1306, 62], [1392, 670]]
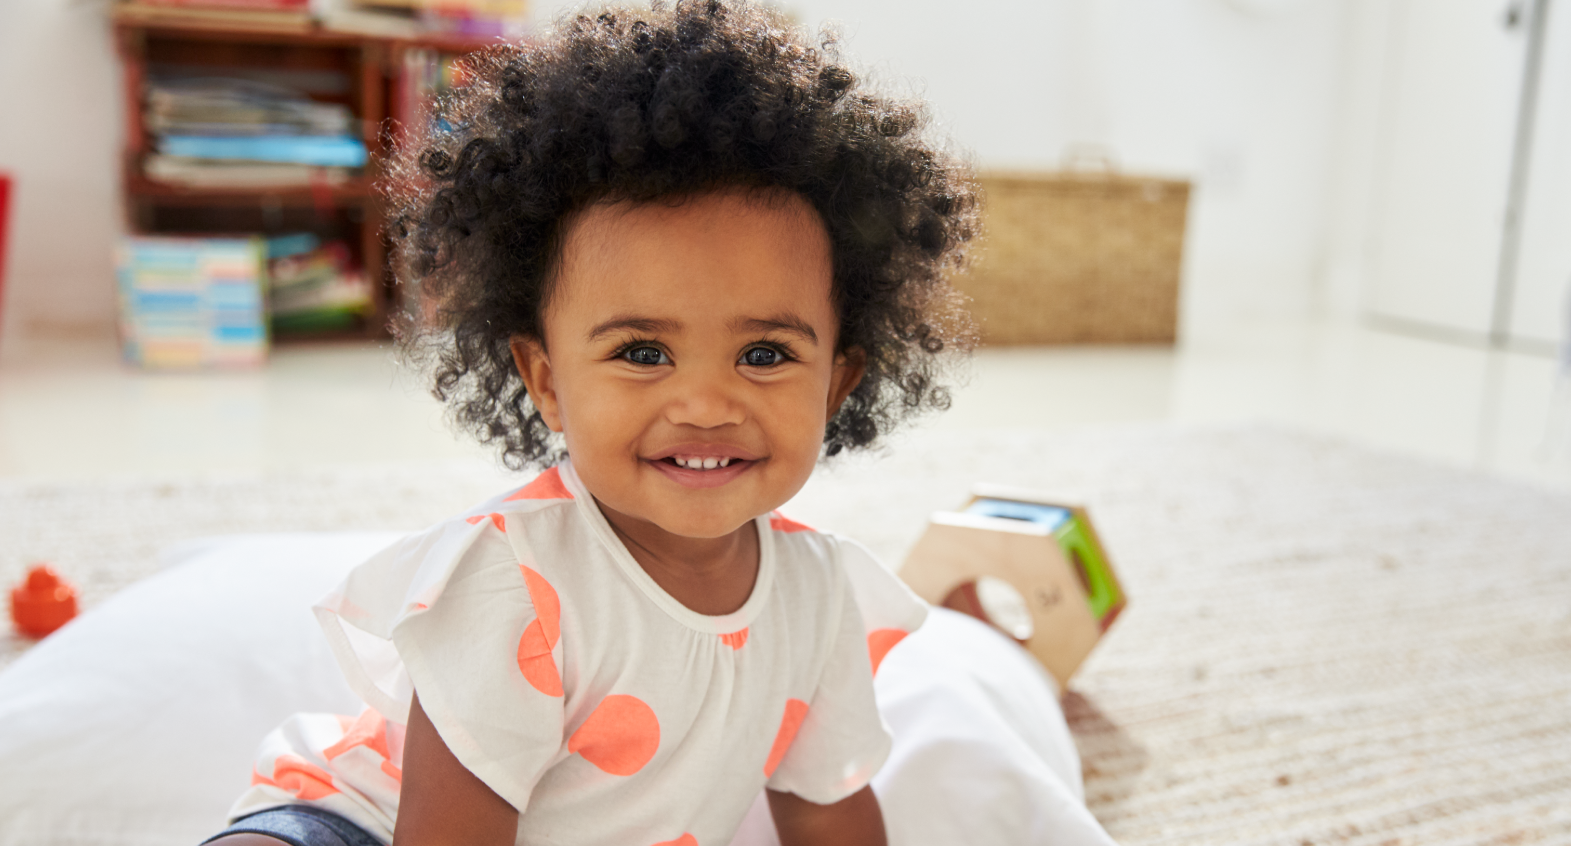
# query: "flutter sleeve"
[[841, 741], [455, 614], [890, 610]]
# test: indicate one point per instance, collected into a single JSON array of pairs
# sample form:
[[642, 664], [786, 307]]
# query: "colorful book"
[[324, 151], [262, 5], [249, 19], [193, 302], [314, 287]]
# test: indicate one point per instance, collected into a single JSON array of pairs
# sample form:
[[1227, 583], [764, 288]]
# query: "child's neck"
[[711, 576]]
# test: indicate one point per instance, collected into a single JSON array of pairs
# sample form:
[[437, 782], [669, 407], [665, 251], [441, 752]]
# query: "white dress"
[[562, 676]]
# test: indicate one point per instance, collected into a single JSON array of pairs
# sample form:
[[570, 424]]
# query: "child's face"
[[691, 334]]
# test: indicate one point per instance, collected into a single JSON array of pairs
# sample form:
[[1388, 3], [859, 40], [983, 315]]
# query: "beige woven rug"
[[1324, 645]]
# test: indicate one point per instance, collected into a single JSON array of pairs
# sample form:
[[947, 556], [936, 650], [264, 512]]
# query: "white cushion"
[[981, 755], [137, 723]]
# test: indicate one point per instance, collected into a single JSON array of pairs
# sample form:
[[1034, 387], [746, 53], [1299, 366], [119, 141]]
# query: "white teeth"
[[697, 463]]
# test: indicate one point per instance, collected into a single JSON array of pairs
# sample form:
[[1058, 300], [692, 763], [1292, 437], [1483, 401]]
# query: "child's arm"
[[441, 802], [853, 821]]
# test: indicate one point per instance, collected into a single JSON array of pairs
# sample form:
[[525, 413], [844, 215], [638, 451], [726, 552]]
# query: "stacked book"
[[376, 18], [236, 132], [314, 286], [472, 18], [192, 302], [262, 15]]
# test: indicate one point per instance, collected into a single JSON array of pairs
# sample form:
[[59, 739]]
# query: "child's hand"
[[853, 821], [441, 802]]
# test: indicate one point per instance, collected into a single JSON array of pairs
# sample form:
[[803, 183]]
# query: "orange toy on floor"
[[43, 602]]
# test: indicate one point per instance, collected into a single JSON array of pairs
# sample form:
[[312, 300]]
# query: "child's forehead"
[[776, 208], [731, 255]]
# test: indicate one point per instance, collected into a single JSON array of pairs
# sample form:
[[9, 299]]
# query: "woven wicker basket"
[[1078, 257]]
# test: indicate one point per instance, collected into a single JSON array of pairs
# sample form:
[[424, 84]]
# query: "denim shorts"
[[301, 825]]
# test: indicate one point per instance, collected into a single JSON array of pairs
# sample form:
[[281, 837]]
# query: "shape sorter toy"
[[1028, 563]]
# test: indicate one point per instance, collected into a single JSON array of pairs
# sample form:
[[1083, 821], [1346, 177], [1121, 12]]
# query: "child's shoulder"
[[799, 540], [816, 555], [838, 553], [543, 491], [888, 606], [798, 536], [489, 529]]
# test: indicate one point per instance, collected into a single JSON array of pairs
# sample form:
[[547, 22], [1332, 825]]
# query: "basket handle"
[[1089, 158]]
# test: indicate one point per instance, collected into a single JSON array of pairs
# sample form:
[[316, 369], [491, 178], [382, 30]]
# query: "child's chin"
[[702, 529]]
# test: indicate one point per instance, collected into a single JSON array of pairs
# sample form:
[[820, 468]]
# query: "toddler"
[[676, 256]]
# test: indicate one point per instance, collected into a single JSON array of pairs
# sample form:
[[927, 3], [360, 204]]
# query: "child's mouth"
[[702, 471], [696, 462]]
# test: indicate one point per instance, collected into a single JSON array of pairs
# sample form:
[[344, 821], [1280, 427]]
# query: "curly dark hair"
[[661, 104]]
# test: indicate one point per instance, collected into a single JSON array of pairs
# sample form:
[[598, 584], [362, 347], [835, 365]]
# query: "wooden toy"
[[1028, 563]]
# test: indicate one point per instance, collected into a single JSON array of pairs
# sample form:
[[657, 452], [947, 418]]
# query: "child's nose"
[[706, 400]]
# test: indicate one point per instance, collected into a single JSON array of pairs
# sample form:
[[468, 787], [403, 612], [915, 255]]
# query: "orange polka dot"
[[795, 713], [496, 520], [304, 780], [781, 523], [619, 737], [369, 730], [735, 639], [540, 636], [684, 840], [880, 641], [547, 485], [548, 606], [536, 663]]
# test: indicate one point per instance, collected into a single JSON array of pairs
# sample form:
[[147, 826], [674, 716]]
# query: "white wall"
[[1452, 83], [1368, 31], [1243, 102], [60, 131], [1423, 159], [1541, 305]]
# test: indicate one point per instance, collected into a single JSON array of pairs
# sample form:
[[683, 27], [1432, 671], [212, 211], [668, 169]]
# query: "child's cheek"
[[803, 414]]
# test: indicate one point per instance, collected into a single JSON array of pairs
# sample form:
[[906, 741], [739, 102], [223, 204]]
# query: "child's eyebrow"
[[781, 322], [648, 325]]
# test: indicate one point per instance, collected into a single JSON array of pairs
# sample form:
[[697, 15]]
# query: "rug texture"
[[1323, 644]]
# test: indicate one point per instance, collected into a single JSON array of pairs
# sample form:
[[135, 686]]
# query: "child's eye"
[[761, 357], [646, 355]]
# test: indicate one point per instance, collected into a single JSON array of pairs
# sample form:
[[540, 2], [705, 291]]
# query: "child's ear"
[[534, 366], [849, 369]]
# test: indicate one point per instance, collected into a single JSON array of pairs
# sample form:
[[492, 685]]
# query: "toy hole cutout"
[[995, 602]]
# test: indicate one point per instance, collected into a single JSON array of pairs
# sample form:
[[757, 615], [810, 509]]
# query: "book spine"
[[249, 5]]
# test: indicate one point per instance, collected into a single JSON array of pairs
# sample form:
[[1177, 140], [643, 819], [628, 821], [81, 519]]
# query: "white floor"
[[69, 409]]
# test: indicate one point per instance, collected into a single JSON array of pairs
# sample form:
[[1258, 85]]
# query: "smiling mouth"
[[697, 462]]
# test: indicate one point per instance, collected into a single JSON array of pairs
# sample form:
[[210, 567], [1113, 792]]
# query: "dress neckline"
[[720, 624]]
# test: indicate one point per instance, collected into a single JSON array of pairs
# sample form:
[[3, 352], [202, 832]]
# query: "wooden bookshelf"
[[348, 209]]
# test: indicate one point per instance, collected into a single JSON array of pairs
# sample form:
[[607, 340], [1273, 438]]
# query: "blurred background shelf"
[[289, 122], [358, 190]]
